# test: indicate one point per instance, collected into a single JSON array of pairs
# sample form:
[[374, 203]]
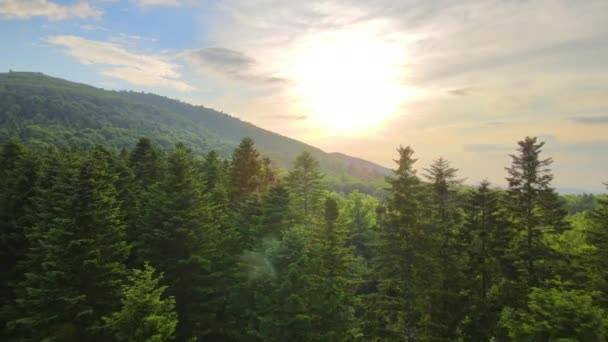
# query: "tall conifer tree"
[[534, 211], [597, 236], [147, 163], [446, 302], [332, 282], [19, 171], [305, 189], [75, 264], [244, 175], [401, 267], [483, 245]]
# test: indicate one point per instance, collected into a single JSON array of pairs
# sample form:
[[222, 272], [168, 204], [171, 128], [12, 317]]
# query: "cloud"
[[535, 62], [487, 148], [495, 123], [138, 69], [229, 63], [289, 117], [591, 120], [89, 27], [123, 38], [467, 91], [25, 9], [160, 2]]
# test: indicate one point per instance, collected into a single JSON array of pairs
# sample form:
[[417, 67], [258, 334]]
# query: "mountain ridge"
[[38, 107]]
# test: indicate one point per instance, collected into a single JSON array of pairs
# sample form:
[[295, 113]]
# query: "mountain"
[[39, 108]]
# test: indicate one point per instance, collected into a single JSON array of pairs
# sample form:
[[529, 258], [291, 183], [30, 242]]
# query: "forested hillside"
[[143, 244], [38, 108]]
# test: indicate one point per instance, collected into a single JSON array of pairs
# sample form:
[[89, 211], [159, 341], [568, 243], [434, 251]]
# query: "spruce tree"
[[268, 174], [291, 314], [446, 302], [181, 241], [274, 212], [213, 173], [19, 171], [129, 196], [360, 211], [402, 269], [482, 244], [557, 314], [146, 160], [332, 282], [305, 189], [244, 174], [74, 268], [534, 212], [145, 315], [597, 236]]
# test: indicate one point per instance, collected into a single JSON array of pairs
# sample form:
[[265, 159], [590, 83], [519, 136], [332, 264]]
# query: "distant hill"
[[38, 108]]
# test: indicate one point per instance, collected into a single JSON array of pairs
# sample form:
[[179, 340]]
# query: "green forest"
[[156, 243], [44, 110]]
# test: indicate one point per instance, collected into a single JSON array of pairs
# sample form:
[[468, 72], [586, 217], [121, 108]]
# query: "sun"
[[348, 81]]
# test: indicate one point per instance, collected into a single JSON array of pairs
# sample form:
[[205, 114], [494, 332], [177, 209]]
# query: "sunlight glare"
[[348, 81]]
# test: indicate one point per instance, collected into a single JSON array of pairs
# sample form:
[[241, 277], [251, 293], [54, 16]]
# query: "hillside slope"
[[36, 107]]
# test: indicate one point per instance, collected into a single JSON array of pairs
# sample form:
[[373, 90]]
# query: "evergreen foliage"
[[233, 250], [144, 316]]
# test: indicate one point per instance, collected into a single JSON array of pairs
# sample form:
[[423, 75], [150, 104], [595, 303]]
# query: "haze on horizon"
[[462, 80]]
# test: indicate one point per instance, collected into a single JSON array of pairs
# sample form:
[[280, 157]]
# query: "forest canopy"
[[149, 245]]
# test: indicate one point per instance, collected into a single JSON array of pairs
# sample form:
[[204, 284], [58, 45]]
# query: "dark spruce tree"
[[19, 171], [332, 285], [483, 245], [534, 212], [597, 236], [74, 267], [305, 190], [181, 240], [446, 310], [403, 271], [244, 174], [147, 163]]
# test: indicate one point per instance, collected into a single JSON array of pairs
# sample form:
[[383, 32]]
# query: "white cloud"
[[139, 69], [25, 9], [89, 27], [125, 39], [527, 64]]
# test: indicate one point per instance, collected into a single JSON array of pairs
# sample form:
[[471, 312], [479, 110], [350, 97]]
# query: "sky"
[[463, 80]]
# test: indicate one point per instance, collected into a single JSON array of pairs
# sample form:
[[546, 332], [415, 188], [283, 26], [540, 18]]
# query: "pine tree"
[[360, 209], [274, 212], [75, 265], [253, 297], [18, 175], [129, 196], [147, 162], [534, 212], [483, 245], [145, 315], [401, 267], [597, 236], [556, 314], [291, 314], [268, 174], [332, 283], [213, 173], [181, 240], [244, 174], [305, 189], [126, 186], [447, 302]]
